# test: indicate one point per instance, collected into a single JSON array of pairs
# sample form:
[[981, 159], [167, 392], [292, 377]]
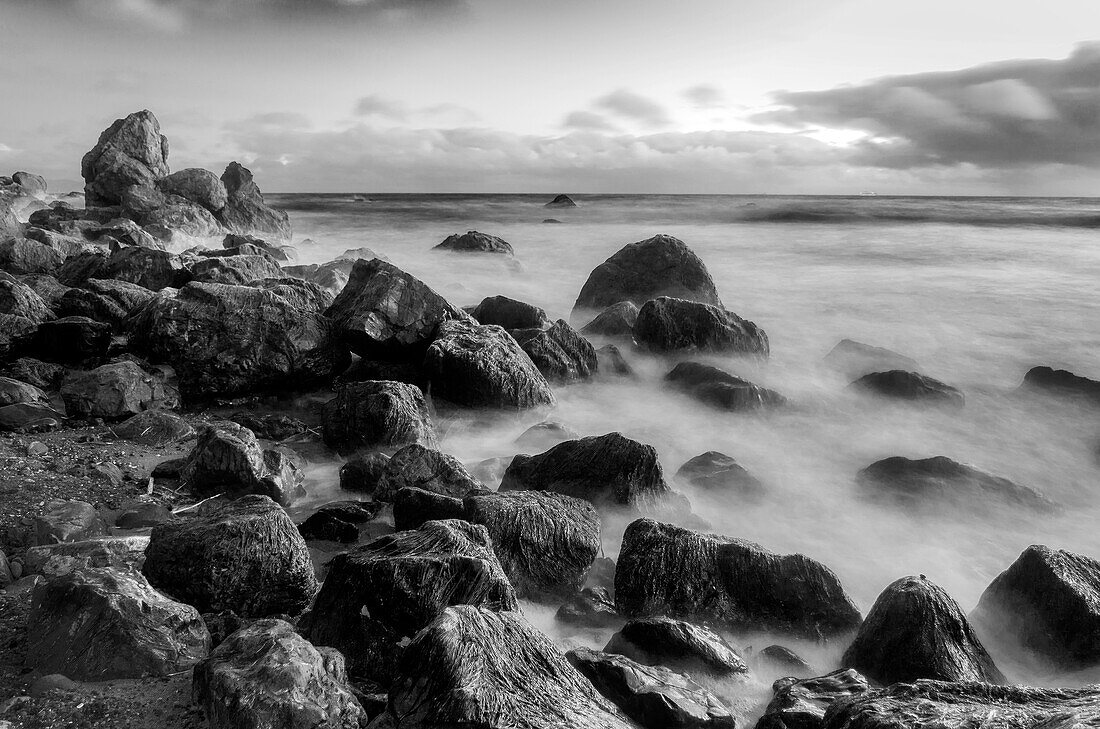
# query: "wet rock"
[[71, 340], [802, 704], [66, 245], [676, 644], [413, 507], [20, 256], [300, 294], [483, 366], [98, 624], [28, 417], [475, 242], [610, 361], [543, 435], [125, 554], [658, 266], [132, 151], [669, 325], [266, 676], [244, 555], [376, 415], [115, 391], [720, 475], [67, 521], [559, 352], [592, 607], [47, 287], [854, 359], [561, 201], [199, 186], [616, 321], [786, 660], [363, 473], [245, 211], [712, 579], [338, 521], [415, 466], [104, 300], [154, 428], [720, 389], [1063, 382], [235, 270], [13, 392], [228, 459], [509, 313], [902, 385]]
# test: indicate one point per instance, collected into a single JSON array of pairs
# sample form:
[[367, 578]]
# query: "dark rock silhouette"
[[720, 389], [561, 201], [902, 385], [509, 313], [720, 475], [855, 359], [475, 242], [560, 353], [1063, 382], [338, 521]]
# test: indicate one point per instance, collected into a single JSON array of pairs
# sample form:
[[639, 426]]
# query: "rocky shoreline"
[[160, 400]]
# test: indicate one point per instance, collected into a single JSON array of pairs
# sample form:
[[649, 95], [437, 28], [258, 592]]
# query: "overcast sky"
[[749, 96]]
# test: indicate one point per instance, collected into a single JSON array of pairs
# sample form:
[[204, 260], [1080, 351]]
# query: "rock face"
[[21, 256], [97, 624], [855, 359], [915, 630], [415, 466], [616, 320], [802, 704], [561, 201], [236, 270], [559, 352], [228, 459], [199, 186], [478, 668], [720, 389], [266, 676], [509, 313], [475, 242], [230, 340], [132, 151], [245, 211], [483, 366], [147, 267], [245, 555], [720, 475], [382, 592], [653, 696], [682, 646], [902, 385], [376, 414], [668, 570], [1048, 600], [1064, 383], [669, 325], [115, 391], [607, 470], [659, 266], [103, 300]]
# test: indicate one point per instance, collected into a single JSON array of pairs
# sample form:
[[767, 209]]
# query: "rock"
[[376, 415], [13, 392], [266, 676], [560, 353], [1047, 601], [676, 644], [154, 428], [180, 216], [147, 267], [543, 435], [32, 184], [97, 624], [653, 696], [669, 325], [6, 577], [354, 254], [199, 186], [482, 366], [610, 360], [363, 473], [722, 390], [115, 391], [592, 607], [132, 151], [80, 267], [902, 385], [915, 630], [28, 417], [1063, 383], [52, 682], [108, 301], [616, 321], [236, 270], [479, 668], [47, 287], [20, 301], [607, 470], [142, 512], [786, 660], [20, 256], [66, 245], [272, 426], [561, 201], [125, 554], [727, 582], [169, 469], [142, 199], [338, 521], [475, 242], [245, 555], [802, 704], [44, 375], [509, 313], [71, 340], [331, 277], [659, 266], [246, 212], [551, 221], [121, 232], [413, 507], [61, 217], [225, 340], [854, 359], [415, 466], [384, 313], [67, 521], [228, 459], [720, 475], [384, 591], [300, 294]]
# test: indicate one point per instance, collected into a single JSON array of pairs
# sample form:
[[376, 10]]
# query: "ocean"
[[976, 290]]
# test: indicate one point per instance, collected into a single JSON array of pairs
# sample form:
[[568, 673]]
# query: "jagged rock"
[[668, 325], [338, 521], [109, 301], [712, 579], [47, 287], [903, 385], [13, 392], [199, 186], [231, 340], [915, 630], [376, 414], [26, 417], [384, 591], [475, 242], [483, 366], [244, 555], [479, 668], [125, 554], [98, 624], [301, 294], [331, 277], [676, 644], [235, 270], [1063, 382], [592, 607], [616, 320], [720, 475], [154, 428], [266, 676], [802, 704], [245, 211], [83, 266], [854, 359], [415, 466], [244, 249], [20, 256], [611, 361], [67, 521], [66, 245], [132, 151], [608, 470], [121, 232], [71, 340], [544, 435], [44, 375], [229, 459], [61, 217], [1047, 601], [653, 696], [560, 353], [720, 389], [19, 300], [561, 201], [509, 313], [139, 200], [115, 391]]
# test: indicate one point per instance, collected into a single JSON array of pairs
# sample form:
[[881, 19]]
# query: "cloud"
[[629, 105], [704, 96], [1000, 115], [375, 105], [5, 148], [589, 121], [277, 121]]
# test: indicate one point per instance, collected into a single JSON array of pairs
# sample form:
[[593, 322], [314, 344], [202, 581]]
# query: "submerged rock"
[[1063, 382], [720, 475], [546, 434], [559, 352], [376, 414], [475, 242], [131, 151], [611, 361], [509, 313], [802, 704], [668, 325], [720, 389], [616, 320], [903, 385], [854, 359], [228, 459]]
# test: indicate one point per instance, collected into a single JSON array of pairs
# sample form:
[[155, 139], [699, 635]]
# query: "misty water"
[[976, 290]]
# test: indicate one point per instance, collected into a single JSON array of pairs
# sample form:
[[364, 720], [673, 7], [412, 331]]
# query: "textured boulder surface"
[[124, 554], [266, 676], [67, 521], [1063, 382], [658, 266], [708, 578], [96, 624], [677, 644], [654, 696], [509, 313], [385, 313], [228, 459], [147, 267], [245, 555], [154, 428], [387, 590], [339, 521], [915, 630], [607, 470], [1048, 601], [720, 475], [115, 391], [669, 325], [559, 352], [854, 359], [71, 340], [21, 256], [180, 216], [80, 267], [28, 416], [483, 366], [475, 242], [235, 270], [245, 211], [616, 320], [592, 607], [196, 185], [363, 473], [720, 389], [131, 151], [412, 507], [13, 392], [377, 414], [105, 300], [479, 668], [21, 311], [415, 466], [802, 704], [903, 385]]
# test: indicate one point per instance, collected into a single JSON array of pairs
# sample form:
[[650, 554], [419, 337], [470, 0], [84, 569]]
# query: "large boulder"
[[196, 185], [658, 266], [245, 555], [231, 340], [668, 325], [915, 630], [377, 414], [124, 554], [105, 300], [26, 417], [71, 340], [228, 459], [801, 704], [483, 366], [21, 311], [509, 313], [720, 475], [592, 607], [378, 594], [266, 676], [475, 242], [720, 389], [902, 385], [132, 151], [148, 267], [115, 391], [21, 256], [182, 217], [616, 321], [854, 359], [1047, 601], [415, 466], [677, 644], [245, 211], [13, 392], [473, 667], [238, 270], [560, 353], [732, 583], [97, 624], [1063, 382]]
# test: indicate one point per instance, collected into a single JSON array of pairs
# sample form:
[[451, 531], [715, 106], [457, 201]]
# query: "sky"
[[697, 96]]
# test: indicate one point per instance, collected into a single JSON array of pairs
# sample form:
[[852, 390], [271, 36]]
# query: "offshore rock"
[[902, 385], [509, 313], [245, 211], [720, 475], [669, 325], [1063, 382], [561, 201], [559, 352], [475, 242], [855, 359], [720, 389]]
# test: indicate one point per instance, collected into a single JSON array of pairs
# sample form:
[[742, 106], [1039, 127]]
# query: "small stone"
[[37, 448]]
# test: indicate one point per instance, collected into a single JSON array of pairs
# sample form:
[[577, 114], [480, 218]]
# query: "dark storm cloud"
[[629, 105], [588, 121], [1008, 114]]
